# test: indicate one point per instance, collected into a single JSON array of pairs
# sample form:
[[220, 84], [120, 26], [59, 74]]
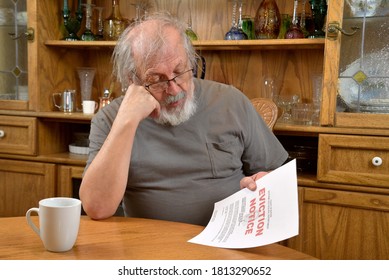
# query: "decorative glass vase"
[[115, 24], [294, 31], [86, 76], [267, 20], [189, 30], [236, 32]]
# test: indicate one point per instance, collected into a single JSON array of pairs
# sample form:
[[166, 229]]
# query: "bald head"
[[152, 42]]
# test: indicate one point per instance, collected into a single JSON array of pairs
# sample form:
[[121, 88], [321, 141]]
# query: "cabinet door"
[[344, 225], [69, 180], [356, 77], [18, 54], [23, 184]]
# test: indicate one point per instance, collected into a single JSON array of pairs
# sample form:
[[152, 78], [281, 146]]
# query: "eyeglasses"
[[163, 85]]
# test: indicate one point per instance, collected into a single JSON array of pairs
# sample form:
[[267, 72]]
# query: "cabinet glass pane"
[[13, 52], [363, 82]]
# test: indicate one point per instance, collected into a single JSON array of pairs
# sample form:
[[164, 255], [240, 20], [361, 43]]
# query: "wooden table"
[[119, 238]]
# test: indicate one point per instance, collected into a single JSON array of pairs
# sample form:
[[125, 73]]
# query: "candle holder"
[[100, 24], [88, 34], [236, 32], [72, 23]]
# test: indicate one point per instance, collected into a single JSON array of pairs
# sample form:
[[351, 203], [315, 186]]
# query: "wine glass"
[[236, 32], [286, 104]]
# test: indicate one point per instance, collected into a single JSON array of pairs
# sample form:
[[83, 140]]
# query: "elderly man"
[[173, 145]]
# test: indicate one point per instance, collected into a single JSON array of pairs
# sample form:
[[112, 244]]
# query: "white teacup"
[[89, 106], [59, 221]]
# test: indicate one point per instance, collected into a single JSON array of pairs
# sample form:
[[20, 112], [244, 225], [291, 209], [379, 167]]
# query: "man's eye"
[[153, 80]]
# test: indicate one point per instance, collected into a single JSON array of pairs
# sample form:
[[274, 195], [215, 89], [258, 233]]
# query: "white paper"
[[255, 218]]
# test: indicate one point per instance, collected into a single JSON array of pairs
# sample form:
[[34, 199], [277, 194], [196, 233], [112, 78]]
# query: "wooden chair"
[[267, 109]]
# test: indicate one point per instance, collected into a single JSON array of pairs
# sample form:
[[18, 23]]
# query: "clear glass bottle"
[[267, 20], [115, 24]]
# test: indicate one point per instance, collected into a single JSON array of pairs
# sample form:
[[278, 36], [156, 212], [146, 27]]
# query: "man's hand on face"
[[139, 103]]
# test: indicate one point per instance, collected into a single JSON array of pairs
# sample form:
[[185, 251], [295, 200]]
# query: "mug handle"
[[54, 101], [29, 221]]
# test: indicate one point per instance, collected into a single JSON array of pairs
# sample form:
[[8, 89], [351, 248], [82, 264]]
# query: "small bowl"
[[78, 149]]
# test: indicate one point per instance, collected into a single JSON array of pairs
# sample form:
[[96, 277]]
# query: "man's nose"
[[173, 88]]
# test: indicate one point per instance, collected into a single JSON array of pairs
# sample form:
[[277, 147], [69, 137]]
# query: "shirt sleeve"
[[263, 151]]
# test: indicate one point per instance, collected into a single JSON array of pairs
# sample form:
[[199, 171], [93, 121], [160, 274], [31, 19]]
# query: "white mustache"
[[171, 98]]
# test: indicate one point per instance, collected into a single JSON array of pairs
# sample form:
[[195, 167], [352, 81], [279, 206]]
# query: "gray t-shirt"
[[177, 173]]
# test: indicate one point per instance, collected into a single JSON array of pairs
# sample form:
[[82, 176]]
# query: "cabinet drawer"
[[349, 159], [18, 135]]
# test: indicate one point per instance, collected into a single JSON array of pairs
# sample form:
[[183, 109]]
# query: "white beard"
[[178, 115]]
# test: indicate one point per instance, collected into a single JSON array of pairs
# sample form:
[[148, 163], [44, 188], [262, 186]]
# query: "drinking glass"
[[286, 103]]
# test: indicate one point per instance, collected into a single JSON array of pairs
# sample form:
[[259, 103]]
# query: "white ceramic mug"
[[59, 221], [89, 106]]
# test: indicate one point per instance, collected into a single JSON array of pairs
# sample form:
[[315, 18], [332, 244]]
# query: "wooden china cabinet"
[[344, 200]]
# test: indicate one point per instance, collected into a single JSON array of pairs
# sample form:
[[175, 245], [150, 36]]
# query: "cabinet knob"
[[377, 161], [2, 133]]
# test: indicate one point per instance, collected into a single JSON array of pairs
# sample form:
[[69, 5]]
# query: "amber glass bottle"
[[267, 20], [115, 24]]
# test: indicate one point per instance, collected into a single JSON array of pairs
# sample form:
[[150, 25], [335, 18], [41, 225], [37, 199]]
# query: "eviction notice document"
[[254, 218]]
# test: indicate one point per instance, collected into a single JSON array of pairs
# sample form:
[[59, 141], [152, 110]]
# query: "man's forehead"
[[169, 47]]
